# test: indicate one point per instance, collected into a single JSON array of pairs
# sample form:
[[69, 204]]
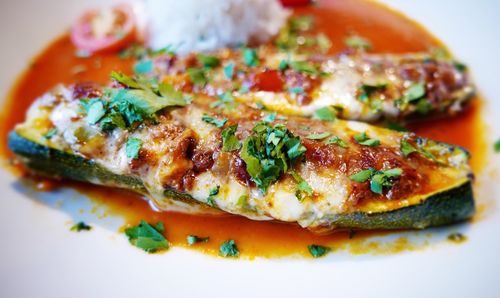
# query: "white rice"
[[203, 25]]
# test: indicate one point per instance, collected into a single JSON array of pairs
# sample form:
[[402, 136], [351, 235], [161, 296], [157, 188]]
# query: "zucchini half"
[[449, 206]]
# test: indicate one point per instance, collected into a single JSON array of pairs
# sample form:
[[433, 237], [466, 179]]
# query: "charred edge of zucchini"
[[449, 206], [57, 164]]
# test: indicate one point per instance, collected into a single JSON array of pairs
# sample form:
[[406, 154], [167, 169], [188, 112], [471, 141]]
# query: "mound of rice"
[[203, 25]]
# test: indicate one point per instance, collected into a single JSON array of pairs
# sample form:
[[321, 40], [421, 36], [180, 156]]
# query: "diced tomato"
[[293, 3], [268, 80], [105, 30]]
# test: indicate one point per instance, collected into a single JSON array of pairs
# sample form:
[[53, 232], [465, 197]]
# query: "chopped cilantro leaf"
[[317, 250], [366, 91], [229, 249], [242, 200], [423, 106], [192, 239], [133, 147], [363, 139], [49, 134], [304, 67], [80, 226], [143, 67], [125, 80], [362, 176], [318, 136], [396, 127], [147, 237], [225, 99], [378, 179], [358, 42], [229, 71], [208, 61], [296, 90], [303, 188], [325, 114], [283, 64], [269, 118], [197, 76], [269, 152], [337, 141], [250, 57], [407, 148], [229, 141], [415, 91], [214, 191], [219, 123], [497, 146], [96, 111]]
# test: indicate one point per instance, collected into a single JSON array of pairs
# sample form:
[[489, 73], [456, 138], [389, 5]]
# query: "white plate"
[[40, 258]]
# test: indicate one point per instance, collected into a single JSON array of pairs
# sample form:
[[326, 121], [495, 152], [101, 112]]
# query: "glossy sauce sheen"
[[388, 32]]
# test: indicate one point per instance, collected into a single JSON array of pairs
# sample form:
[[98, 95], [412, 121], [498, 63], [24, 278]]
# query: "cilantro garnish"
[[317, 250], [325, 114], [49, 134], [229, 71], [192, 239], [423, 106], [337, 141], [497, 146], [366, 91], [407, 148], [229, 141], [378, 179], [208, 61], [303, 188], [269, 118], [297, 33], [363, 139], [133, 147], [318, 136], [296, 90], [80, 226], [219, 123], [229, 249], [250, 57], [143, 67], [269, 152], [198, 76], [304, 67], [226, 99], [242, 200], [147, 237], [358, 42], [396, 127], [213, 192], [95, 110], [412, 93]]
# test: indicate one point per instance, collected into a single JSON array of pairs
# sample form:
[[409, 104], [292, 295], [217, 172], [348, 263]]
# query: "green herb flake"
[[147, 237], [363, 139], [358, 42], [423, 106], [396, 127], [212, 193], [198, 76], [407, 148], [80, 226], [325, 114], [366, 91], [208, 61], [193, 239], [133, 147], [96, 111], [219, 123], [296, 90], [304, 67], [317, 250], [318, 136], [415, 91], [269, 118], [242, 200], [269, 152], [337, 141], [250, 57], [229, 71], [143, 67], [229, 249], [496, 147], [229, 140], [362, 176], [51, 133], [225, 99]]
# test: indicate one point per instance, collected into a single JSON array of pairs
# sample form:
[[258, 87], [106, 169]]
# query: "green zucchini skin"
[[447, 207]]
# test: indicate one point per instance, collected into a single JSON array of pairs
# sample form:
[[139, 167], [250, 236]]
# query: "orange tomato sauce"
[[387, 30]]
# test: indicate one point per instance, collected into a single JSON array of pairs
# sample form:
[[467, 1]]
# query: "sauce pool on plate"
[[389, 32]]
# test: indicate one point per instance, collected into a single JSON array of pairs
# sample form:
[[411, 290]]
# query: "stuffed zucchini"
[[206, 155]]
